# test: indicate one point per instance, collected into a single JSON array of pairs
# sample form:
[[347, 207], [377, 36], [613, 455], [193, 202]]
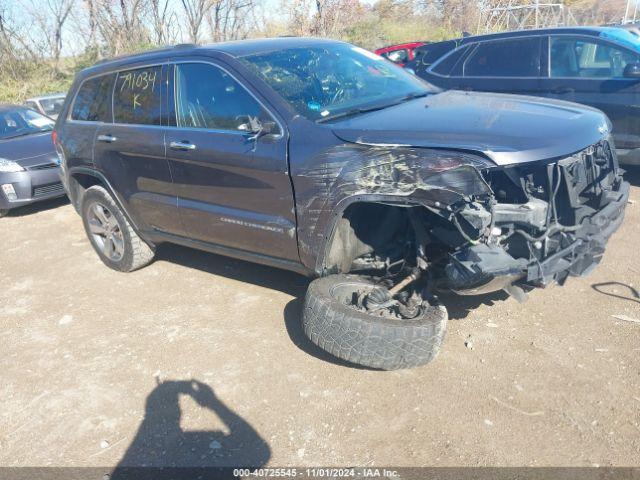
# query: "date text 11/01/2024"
[[316, 473]]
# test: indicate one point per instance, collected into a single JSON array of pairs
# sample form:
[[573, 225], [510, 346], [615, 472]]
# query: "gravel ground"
[[199, 359]]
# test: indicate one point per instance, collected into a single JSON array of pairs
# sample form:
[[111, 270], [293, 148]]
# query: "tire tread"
[[370, 340]]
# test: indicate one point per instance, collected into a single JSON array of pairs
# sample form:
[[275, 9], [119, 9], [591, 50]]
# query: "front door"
[[591, 71], [233, 186]]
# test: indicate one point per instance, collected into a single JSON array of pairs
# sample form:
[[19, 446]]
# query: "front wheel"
[[332, 321], [112, 237]]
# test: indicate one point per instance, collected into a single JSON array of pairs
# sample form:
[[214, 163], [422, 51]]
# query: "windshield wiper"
[[413, 95], [373, 108]]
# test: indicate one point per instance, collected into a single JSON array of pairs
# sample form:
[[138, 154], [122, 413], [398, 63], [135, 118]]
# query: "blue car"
[[596, 66]]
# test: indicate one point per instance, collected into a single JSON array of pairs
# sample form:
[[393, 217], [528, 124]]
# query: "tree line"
[[44, 42]]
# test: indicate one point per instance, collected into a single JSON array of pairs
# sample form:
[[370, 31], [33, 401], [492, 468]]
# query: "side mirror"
[[632, 70], [250, 124], [255, 126]]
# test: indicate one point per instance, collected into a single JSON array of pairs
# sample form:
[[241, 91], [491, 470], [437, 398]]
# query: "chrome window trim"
[[171, 127], [471, 46], [475, 45]]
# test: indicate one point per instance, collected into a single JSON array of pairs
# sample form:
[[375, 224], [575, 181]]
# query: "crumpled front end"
[[547, 221], [423, 220]]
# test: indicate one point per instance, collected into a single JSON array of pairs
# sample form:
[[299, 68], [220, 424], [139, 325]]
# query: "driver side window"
[[583, 58], [208, 97]]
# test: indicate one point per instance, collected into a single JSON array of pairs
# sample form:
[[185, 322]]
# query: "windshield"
[[323, 82], [623, 37], [52, 106], [22, 121]]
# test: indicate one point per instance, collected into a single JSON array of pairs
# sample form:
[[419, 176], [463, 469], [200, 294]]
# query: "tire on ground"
[[137, 253], [369, 340]]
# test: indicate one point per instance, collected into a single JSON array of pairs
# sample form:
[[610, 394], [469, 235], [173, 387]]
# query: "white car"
[[48, 105]]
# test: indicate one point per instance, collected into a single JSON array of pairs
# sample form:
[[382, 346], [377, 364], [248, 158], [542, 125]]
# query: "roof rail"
[[184, 45], [160, 49]]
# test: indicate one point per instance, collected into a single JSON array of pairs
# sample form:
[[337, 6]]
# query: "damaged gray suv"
[[319, 157]]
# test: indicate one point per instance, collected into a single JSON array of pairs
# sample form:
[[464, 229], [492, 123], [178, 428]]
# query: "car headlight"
[[9, 166]]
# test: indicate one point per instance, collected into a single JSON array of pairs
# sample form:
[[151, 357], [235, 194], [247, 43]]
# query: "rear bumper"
[[31, 186]]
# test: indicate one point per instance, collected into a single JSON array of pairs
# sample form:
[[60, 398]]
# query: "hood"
[[506, 128], [29, 150]]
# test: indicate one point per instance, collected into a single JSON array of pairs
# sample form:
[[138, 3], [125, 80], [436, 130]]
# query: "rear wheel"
[[335, 320], [3, 213], [111, 234]]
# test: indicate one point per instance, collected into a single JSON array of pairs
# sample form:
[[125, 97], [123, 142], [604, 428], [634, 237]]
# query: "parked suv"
[[595, 66], [320, 157]]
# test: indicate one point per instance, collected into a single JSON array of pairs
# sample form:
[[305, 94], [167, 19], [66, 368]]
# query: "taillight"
[[54, 137]]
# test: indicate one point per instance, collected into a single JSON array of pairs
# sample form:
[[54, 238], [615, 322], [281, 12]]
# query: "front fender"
[[351, 173]]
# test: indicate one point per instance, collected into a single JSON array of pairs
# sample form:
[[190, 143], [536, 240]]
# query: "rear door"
[[131, 150], [90, 107], [590, 71], [510, 65], [233, 187]]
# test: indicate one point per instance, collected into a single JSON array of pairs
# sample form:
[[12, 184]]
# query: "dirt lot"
[[97, 366]]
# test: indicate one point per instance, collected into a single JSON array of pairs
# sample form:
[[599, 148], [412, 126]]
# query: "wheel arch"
[[338, 244], [82, 178]]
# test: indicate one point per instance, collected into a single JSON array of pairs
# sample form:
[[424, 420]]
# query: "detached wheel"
[[116, 243], [331, 321]]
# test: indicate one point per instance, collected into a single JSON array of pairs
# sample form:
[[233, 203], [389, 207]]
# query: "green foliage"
[[30, 80], [21, 79], [372, 33]]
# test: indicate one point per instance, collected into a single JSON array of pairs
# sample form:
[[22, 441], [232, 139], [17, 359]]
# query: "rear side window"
[[93, 102], [435, 51], [505, 58], [137, 98], [208, 97], [446, 66]]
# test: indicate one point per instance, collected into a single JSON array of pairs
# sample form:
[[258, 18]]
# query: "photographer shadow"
[[162, 445]]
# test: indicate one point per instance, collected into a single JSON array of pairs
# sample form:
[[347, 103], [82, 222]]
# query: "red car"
[[401, 53]]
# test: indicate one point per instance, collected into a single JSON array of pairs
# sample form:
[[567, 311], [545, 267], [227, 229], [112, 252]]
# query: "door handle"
[[107, 138], [182, 146]]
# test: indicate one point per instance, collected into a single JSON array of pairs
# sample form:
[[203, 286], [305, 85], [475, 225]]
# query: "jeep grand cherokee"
[[320, 157]]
